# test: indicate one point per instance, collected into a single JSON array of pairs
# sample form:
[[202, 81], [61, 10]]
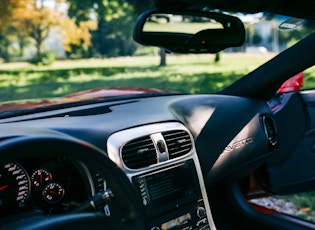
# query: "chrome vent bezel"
[[117, 143]]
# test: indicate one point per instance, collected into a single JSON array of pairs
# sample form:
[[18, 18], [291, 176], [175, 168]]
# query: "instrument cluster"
[[52, 186]]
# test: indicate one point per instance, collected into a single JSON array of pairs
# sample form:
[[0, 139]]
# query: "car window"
[[300, 205], [77, 53]]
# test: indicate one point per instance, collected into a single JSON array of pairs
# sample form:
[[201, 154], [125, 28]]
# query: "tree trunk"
[[163, 57], [21, 45], [6, 55], [39, 47], [217, 57]]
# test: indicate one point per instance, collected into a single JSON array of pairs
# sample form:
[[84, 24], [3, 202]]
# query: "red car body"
[[293, 84], [76, 97]]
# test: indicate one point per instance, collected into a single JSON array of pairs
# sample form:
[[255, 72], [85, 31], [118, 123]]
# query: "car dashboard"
[[172, 149]]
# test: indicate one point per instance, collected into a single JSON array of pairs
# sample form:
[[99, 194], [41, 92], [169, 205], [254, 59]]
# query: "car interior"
[[169, 160]]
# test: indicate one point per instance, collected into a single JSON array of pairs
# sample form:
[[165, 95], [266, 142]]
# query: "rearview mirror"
[[189, 31]]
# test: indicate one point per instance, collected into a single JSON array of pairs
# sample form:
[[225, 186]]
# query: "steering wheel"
[[54, 145]]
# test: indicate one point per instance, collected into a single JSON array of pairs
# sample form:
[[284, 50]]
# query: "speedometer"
[[14, 184]]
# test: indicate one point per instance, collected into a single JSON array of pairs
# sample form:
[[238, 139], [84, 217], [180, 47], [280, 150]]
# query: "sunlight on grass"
[[181, 27], [309, 78], [183, 73]]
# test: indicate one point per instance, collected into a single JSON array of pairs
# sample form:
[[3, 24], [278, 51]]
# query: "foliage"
[[113, 36], [252, 38], [77, 35], [44, 58], [34, 20], [141, 5], [290, 37], [304, 203], [7, 10]]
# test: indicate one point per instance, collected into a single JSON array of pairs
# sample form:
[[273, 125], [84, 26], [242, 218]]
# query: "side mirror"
[[189, 31], [295, 83]]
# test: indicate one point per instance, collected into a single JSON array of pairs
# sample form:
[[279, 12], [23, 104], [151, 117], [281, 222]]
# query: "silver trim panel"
[[117, 140]]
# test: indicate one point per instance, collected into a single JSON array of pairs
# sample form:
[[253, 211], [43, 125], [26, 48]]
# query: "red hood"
[[112, 92], [76, 97]]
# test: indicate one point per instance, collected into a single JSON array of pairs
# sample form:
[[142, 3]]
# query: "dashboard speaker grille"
[[139, 153], [178, 143]]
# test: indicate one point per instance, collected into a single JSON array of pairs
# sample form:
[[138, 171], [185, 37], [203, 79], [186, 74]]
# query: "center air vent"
[[139, 153], [178, 143], [271, 131]]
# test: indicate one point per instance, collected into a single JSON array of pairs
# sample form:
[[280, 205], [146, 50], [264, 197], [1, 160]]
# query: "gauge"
[[53, 192], [14, 184], [40, 177]]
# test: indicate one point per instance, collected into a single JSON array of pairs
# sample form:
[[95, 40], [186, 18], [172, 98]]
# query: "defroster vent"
[[178, 143], [139, 153]]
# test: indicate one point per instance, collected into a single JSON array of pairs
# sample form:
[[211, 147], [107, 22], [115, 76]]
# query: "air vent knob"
[[201, 212], [161, 147]]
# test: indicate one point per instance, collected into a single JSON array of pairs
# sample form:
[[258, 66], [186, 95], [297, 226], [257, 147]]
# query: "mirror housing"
[[189, 31], [295, 83]]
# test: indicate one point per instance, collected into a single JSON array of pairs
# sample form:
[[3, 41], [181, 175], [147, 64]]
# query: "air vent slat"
[[183, 145], [132, 155], [139, 153], [136, 148], [187, 146], [178, 143], [179, 153]]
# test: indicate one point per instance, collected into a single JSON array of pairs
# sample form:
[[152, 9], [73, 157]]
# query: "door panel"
[[292, 169]]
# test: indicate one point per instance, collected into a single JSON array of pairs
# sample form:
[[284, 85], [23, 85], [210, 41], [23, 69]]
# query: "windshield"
[[54, 48]]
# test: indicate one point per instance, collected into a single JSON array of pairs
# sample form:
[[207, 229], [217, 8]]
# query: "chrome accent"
[[118, 140], [158, 138]]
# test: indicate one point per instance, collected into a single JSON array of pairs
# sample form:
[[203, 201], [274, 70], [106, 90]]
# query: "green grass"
[[305, 203], [183, 73], [188, 27], [191, 74]]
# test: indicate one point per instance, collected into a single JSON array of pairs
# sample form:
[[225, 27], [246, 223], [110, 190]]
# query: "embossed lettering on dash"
[[239, 144]]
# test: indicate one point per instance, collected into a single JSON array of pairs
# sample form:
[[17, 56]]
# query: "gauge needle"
[[52, 192], [3, 187]]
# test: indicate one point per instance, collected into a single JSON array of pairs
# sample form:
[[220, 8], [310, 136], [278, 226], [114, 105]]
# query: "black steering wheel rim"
[[54, 146]]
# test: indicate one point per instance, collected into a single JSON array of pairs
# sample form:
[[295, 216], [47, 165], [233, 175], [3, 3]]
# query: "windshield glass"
[[53, 48]]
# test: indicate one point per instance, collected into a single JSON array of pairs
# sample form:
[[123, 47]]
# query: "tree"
[[77, 35], [141, 5], [162, 57], [113, 36], [80, 12], [7, 12], [8, 9], [36, 19]]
